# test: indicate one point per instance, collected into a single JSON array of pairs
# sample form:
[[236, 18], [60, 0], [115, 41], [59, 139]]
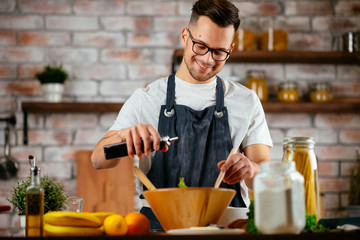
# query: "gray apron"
[[204, 140]]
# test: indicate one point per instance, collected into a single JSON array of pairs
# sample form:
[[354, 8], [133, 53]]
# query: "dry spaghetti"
[[300, 150]]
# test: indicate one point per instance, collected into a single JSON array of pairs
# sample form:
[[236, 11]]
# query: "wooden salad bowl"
[[188, 207]]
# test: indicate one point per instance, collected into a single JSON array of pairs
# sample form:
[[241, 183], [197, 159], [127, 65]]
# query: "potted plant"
[[54, 197], [353, 207], [52, 79]]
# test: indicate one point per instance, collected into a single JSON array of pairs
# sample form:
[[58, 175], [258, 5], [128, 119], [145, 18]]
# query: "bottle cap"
[[34, 165]]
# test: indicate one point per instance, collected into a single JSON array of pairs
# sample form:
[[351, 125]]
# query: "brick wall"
[[112, 47]]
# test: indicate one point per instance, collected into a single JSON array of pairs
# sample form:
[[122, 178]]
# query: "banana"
[[102, 215], [51, 230], [73, 219]]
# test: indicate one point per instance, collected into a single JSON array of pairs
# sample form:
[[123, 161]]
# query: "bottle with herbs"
[[34, 202]]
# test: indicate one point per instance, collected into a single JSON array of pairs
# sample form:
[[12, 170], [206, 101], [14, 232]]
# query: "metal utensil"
[[8, 165]]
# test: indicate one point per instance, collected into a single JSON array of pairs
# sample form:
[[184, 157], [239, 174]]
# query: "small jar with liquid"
[[34, 209], [279, 204], [288, 92], [301, 151], [320, 92], [257, 82], [274, 36], [247, 36]]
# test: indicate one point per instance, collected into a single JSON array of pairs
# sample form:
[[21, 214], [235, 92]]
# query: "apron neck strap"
[[219, 95], [170, 94]]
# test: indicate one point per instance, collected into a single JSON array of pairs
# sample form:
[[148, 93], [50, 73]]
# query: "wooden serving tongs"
[[143, 178], [222, 174]]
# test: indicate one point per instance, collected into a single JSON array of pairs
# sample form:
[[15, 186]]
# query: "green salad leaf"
[[312, 223], [250, 225], [182, 183]]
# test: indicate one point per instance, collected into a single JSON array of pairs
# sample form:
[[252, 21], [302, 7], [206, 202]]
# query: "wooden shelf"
[[283, 57], [70, 107], [341, 106], [66, 107], [351, 105]]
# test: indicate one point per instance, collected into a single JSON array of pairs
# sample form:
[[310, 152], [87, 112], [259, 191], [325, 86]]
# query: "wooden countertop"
[[159, 236]]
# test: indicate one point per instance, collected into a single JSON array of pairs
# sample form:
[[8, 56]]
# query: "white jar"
[[279, 200]]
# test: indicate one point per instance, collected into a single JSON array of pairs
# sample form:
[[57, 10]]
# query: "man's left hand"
[[237, 168]]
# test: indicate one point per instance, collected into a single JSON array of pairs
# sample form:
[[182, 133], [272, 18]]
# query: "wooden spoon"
[[143, 178], [222, 174]]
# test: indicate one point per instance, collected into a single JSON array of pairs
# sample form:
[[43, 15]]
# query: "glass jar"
[[274, 36], [320, 92], [286, 151], [247, 36], [279, 199], [257, 82], [301, 151], [288, 92]]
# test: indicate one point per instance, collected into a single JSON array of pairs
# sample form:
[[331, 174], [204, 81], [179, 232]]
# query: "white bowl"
[[231, 214]]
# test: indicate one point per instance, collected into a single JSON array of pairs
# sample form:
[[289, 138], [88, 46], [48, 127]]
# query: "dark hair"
[[221, 12]]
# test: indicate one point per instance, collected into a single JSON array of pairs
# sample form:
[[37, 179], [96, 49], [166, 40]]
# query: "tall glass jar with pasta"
[[301, 151]]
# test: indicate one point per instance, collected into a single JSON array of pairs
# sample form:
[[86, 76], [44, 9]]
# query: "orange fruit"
[[137, 223], [115, 225]]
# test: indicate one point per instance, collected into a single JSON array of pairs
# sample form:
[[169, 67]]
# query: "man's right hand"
[[133, 137], [141, 132]]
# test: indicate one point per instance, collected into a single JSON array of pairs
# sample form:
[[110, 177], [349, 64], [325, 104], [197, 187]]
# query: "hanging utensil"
[[8, 165]]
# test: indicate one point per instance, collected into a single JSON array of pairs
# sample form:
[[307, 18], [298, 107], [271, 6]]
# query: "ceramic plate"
[[205, 231]]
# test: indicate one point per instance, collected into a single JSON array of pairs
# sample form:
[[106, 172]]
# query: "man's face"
[[204, 67]]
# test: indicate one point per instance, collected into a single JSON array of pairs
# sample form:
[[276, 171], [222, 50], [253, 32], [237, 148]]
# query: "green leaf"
[[250, 225], [52, 74], [54, 196], [312, 223], [182, 183]]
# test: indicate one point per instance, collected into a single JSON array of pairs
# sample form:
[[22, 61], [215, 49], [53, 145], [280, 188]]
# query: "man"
[[209, 115]]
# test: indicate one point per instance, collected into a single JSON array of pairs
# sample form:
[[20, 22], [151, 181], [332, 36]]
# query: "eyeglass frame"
[[208, 48]]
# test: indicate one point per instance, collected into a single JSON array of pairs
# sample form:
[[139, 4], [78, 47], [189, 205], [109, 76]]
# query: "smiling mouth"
[[202, 67]]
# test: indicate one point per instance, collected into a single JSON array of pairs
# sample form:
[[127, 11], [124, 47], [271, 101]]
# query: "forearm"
[[257, 154], [98, 156], [250, 181]]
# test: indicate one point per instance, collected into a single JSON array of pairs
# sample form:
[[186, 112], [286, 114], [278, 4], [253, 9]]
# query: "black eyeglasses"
[[201, 49]]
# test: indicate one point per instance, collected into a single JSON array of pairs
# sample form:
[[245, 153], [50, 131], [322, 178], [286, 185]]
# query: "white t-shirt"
[[245, 113]]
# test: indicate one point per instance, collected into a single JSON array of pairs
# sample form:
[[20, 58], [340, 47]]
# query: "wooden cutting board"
[[110, 202], [113, 187]]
